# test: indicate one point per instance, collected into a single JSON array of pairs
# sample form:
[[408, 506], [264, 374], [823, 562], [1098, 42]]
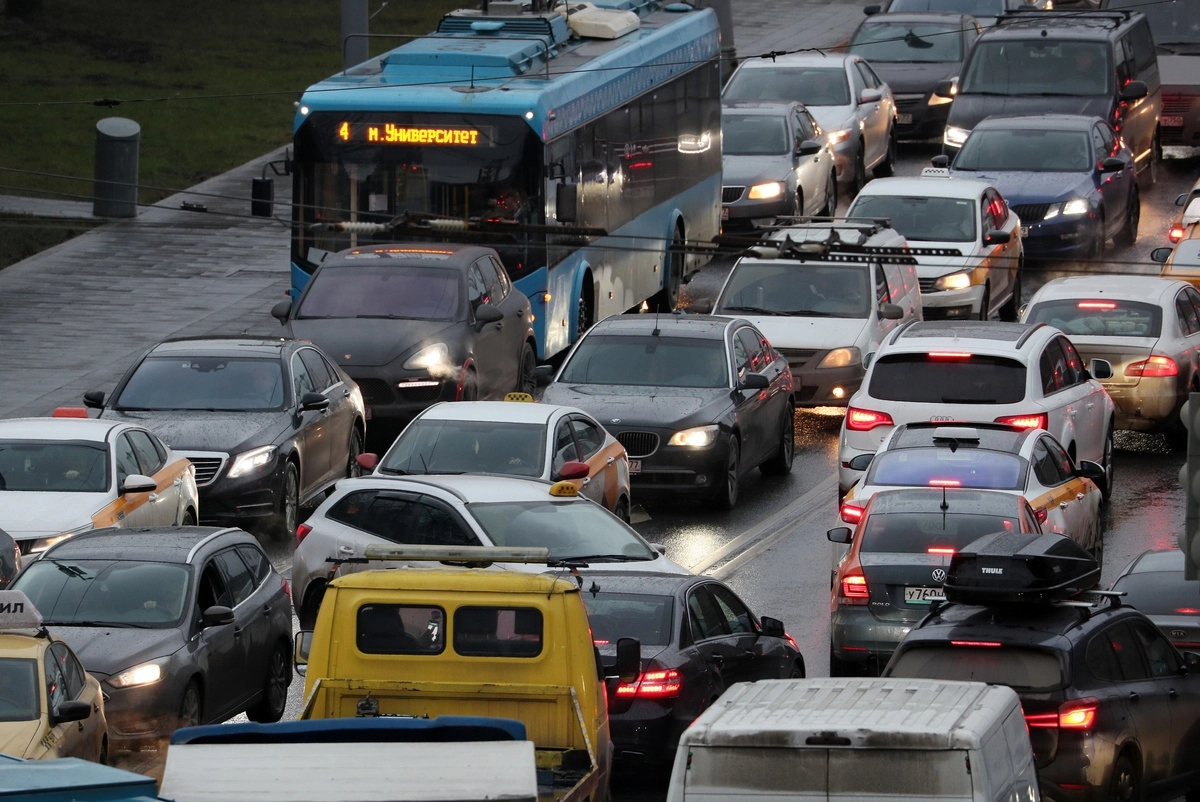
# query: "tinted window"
[[812, 86], [1185, 310], [1027, 150], [107, 592], [565, 449], [1099, 318], [1046, 466], [57, 467], [147, 454], [630, 615], [71, 670], [434, 446], [942, 467], [932, 379], [591, 437], [1101, 661], [435, 525], [22, 698], [400, 520], [212, 589], [382, 291], [1161, 593], [648, 362], [754, 135], [1160, 654], [322, 377], [199, 383], [492, 291], [975, 8], [1017, 667], [1126, 653], [1038, 65], [498, 631], [400, 629], [237, 575], [56, 683], [737, 616], [796, 289], [706, 620], [568, 529], [256, 561], [910, 42], [919, 532], [1056, 374]]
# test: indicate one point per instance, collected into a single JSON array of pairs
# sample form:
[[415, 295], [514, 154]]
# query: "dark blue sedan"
[[1069, 178]]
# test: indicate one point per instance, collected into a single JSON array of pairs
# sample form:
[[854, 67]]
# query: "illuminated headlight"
[[955, 136], [765, 191], [838, 137], [954, 281], [1074, 207], [700, 437], [144, 674], [41, 544], [839, 358], [252, 461], [433, 358]]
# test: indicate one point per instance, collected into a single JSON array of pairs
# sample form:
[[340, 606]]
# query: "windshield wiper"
[[73, 570], [596, 558], [804, 313], [758, 310], [393, 471], [117, 624]]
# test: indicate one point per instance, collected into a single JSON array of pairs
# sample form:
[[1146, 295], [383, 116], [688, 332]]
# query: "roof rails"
[[1017, 15], [834, 247], [899, 330]]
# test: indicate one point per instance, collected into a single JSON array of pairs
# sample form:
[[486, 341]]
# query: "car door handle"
[[520, 313], [267, 608], [1171, 692], [1062, 505], [587, 479], [499, 325], [237, 632], [1072, 413], [1079, 496], [1091, 404], [1133, 697], [717, 660], [346, 393], [610, 461], [153, 497], [345, 550]]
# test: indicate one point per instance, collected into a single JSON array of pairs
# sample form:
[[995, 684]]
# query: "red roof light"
[[988, 643], [1188, 610], [948, 355], [940, 550], [945, 483]]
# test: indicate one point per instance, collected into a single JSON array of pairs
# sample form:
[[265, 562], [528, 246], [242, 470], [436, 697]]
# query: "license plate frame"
[[1171, 121], [635, 467], [915, 595], [904, 119]]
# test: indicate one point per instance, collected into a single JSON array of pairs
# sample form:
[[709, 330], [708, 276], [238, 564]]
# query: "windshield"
[[922, 532], [907, 42], [383, 291], [374, 167], [1099, 318], [812, 86], [941, 467], [107, 592], [569, 529], [1037, 67], [1019, 668], [55, 467], [922, 219], [227, 384], [948, 379], [19, 697], [458, 446], [1171, 21], [629, 615], [1161, 592], [975, 8], [648, 362], [754, 135], [771, 288], [1026, 149]]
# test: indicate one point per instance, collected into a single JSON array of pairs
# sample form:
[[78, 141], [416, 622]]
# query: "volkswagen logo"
[[939, 574], [1178, 634]]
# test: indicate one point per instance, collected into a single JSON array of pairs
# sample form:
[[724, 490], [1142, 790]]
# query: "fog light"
[[838, 392], [701, 479]]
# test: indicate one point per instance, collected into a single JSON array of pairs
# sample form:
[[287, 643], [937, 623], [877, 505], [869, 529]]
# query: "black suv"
[[1096, 63], [1113, 709]]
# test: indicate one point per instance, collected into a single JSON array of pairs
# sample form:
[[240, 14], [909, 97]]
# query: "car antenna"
[[945, 506], [657, 331]]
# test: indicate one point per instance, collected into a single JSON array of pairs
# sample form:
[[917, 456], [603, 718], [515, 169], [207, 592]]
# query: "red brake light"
[[945, 483], [1038, 421], [1047, 720], [1176, 233], [851, 513], [1154, 366], [1188, 610], [791, 641], [854, 588], [864, 420], [940, 550], [948, 355], [1096, 305], [653, 685], [302, 532], [1078, 714], [988, 643]]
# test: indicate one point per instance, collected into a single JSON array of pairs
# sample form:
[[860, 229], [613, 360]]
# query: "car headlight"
[[433, 358], [838, 137], [941, 100], [954, 281], [955, 136], [145, 674], [251, 461], [1073, 207], [699, 437], [839, 358], [41, 544], [766, 191]]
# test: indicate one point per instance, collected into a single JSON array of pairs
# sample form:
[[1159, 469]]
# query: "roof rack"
[[1115, 16], [1018, 568], [900, 330], [833, 248]]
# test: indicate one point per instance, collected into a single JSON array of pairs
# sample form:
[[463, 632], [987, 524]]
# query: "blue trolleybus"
[[582, 142]]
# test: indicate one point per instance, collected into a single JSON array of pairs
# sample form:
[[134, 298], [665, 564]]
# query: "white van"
[[857, 739]]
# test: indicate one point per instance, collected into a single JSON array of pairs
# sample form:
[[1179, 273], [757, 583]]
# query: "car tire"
[[1106, 461], [1095, 251], [1125, 785], [191, 706], [283, 525], [355, 447], [985, 302], [842, 668], [887, 167], [675, 265], [470, 387], [189, 518], [307, 613], [725, 495], [273, 702], [621, 510], [780, 463], [526, 383], [831, 194], [1129, 232], [797, 672]]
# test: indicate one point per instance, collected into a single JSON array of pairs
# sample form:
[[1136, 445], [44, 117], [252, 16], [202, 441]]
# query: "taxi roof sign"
[[523, 397], [459, 554], [564, 490], [17, 611]]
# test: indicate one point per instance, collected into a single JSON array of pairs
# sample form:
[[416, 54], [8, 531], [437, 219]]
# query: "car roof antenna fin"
[[945, 506]]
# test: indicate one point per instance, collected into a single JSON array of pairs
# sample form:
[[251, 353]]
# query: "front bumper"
[[925, 121], [951, 304], [744, 213], [400, 396], [1071, 236], [822, 387], [675, 469], [247, 497], [143, 715], [844, 154]]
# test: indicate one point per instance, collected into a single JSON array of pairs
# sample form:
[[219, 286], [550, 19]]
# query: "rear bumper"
[[857, 636], [648, 731], [1150, 405]]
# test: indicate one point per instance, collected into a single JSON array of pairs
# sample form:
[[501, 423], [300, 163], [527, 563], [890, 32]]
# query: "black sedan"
[[1154, 583], [414, 324], [181, 625], [270, 424], [913, 53], [696, 400], [697, 638]]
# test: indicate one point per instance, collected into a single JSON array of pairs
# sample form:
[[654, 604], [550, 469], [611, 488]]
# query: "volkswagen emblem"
[[1178, 634], [615, 420], [939, 574]]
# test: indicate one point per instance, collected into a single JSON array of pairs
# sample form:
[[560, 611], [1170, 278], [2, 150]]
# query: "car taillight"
[[791, 641], [1106, 305], [1038, 421], [1077, 714], [851, 513], [854, 588], [864, 420], [1154, 366], [1176, 233], [302, 532], [1041, 513], [653, 685]]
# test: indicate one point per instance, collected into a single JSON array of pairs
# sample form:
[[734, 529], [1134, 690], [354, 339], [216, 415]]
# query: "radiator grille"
[[376, 392], [1031, 212], [638, 444], [731, 194], [208, 467]]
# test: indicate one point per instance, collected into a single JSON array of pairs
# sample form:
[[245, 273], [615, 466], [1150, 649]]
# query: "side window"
[[1185, 308], [1109, 139], [400, 629], [212, 589], [380, 514], [590, 436], [986, 222], [1101, 660], [476, 286], [56, 683], [433, 525], [498, 631], [707, 622], [1194, 296], [737, 615], [147, 455], [491, 282], [1075, 369], [256, 561], [895, 281], [753, 346], [71, 670], [301, 382], [503, 284], [565, 449], [882, 293], [1123, 56], [237, 575], [1160, 654], [158, 446], [1046, 465], [869, 75], [741, 357], [1098, 144], [318, 371], [127, 463], [998, 207], [857, 81], [1127, 652], [1066, 467], [1142, 43], [1053, 365]]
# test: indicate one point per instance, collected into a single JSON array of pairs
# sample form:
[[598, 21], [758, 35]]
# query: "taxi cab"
[[1184, 226], [536, 441], [1181, 262], [63, 475], [49, 706]]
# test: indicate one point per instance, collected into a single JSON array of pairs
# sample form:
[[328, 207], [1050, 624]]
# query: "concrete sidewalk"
[[73, 318]]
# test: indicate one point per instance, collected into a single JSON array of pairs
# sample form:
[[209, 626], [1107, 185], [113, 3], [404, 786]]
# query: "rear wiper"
[[758, 310]]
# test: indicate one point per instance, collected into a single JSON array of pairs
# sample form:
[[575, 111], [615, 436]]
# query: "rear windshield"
[[815, 772], [770, 288], [55, 467], [1038, 66], [1018, 667], [948, 379], [918, 532], [1099, 318], [400, 629], [1161, 593], [498, 631], [812, 86], [630, 615], [941, 467]]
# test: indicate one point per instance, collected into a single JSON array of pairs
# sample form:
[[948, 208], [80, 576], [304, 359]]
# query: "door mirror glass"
[[808, 147], [771, 627], [543, 375], [629, 659], [943, 89], [871, 11], [839, 534], [138, 483], [304, 640], [1100, 369], [1161, 255], [217, 615], [702, 306], [1091, 470]]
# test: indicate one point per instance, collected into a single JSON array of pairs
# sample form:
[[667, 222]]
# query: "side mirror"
[[1100, 369], [138, 483], [839, 534], [702, 306], [1181, 199], [997, 238], [543, 375], [485, 314], [1161, 254], [1091, 470], [217, 615], [861, 462], [940, 160], [367, 461], [868, 359], [870, 96], [629, 659], [1134, 90], [1112, 164], [574, 470], [871, 11], [566, 202], [94, 399], [661, 548], [303, 648], [72, 710], [944, 88], [771, 627], [1191, 662], [282, 310], [808, 147], [754, 381], [890, 311], [311, 401]]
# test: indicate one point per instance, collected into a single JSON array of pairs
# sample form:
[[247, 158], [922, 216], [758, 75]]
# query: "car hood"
[[750, 170], [1030, 187], [644, 406], [1180, 73], [821, 333], [198, 430], [968, 110], [105, 651], [833, 118], [935, 266], [17, 736], [369, 342], [28, 514], [905, 78]]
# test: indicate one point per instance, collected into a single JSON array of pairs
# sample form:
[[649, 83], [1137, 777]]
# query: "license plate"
[[923, 595], [1173, 122], [1024, 231], [367, 413], [904, 119], [635, 466], [724, 212]]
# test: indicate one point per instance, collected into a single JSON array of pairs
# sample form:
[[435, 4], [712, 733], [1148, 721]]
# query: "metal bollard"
[[115, 190]]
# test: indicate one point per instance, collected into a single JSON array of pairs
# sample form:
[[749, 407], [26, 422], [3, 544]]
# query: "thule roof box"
[[1015, 568]]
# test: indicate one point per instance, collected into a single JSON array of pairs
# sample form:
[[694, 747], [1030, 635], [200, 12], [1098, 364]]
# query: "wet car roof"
[[56, 429], [496, 411], [958, 501], [1150, 289], [649, 583], [706, 327], [142, 544], [1040, 122], [965, 330], [219, 346], [471, 488], [996, 437]]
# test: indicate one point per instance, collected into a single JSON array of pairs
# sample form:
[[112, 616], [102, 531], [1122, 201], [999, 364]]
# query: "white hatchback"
[[957, 371]]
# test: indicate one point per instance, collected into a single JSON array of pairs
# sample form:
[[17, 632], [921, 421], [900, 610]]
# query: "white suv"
[[966, 241], [1025, 375]]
